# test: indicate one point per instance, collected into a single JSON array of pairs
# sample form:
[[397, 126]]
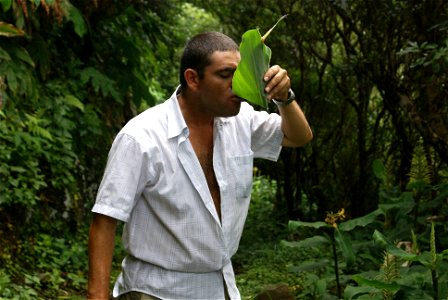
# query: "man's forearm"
[[101, 249], [295, 127]]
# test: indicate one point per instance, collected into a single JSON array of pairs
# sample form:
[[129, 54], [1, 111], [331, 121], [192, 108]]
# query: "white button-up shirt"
[[176, 244]]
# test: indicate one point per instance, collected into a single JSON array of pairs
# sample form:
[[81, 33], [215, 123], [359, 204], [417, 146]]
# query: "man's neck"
[[192, 113]]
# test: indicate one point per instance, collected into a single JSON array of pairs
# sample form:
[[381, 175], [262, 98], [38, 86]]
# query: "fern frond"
[[433, 247], [420, 170], [389, 273], [415, 249]]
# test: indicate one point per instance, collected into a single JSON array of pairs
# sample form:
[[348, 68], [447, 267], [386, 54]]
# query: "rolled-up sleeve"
[[124, 178], [267, 135]]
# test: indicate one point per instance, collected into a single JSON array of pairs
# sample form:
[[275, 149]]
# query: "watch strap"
[[291, 98]]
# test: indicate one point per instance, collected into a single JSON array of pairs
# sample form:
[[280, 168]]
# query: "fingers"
[[277, 83]]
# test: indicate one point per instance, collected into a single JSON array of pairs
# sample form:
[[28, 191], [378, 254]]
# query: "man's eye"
[[225, 75]]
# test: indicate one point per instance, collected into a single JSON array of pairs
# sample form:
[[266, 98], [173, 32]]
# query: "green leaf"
[[321, 287], [354, 292], [306, 266], [17, 169], [426, 259], [4, 55], [379, 170], [73, 101], [11, 80], [345, 246], [9, 30], [247, 82], [392, 249], [6, 4], [100, 82], [443, 192], [379, 238], [432, 247], [400, 253], [33, 123], [22, 54], [314, 241], [391, 287], [361, 221], [75, 16], [293, 225]]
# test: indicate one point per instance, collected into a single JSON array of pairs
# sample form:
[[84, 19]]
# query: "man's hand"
[[277, 83]]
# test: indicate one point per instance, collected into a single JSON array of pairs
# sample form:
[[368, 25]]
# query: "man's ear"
[[192, 78]]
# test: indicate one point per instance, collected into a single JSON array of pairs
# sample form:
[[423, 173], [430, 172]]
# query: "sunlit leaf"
[[248, 80], [73, 101], [9, 30]]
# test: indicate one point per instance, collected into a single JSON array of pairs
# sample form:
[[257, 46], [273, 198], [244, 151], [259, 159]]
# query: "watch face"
[[291, 95]]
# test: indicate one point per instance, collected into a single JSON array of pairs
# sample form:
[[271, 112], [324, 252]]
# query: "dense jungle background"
[[360, 213]]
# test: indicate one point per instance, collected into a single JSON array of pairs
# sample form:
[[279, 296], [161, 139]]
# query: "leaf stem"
[[336, 267], [265, 36]]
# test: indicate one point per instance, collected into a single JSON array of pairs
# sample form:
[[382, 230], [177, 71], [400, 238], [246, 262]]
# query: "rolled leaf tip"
[[265, 36]]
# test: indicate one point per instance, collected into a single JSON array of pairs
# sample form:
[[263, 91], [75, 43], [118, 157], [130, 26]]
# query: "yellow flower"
[[333, 218]]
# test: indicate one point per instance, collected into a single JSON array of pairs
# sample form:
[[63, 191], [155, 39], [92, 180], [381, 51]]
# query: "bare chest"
[[203, 147]]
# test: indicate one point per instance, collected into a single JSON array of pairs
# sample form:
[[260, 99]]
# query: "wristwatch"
[[291, 97]]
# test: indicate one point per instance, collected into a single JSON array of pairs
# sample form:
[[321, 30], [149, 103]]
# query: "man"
[[180, 175]]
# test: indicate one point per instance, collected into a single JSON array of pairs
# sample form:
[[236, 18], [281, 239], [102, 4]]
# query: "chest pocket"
[[242, 167]]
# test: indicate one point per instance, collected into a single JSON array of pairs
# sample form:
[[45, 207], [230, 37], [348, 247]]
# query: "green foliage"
[[21, 177], [410, 281], [194, 20], [407, 270], [71, 75], [371, 78], [101, 84], [346, 247], [51, 277], [75, 16], [428, 54], [260, 261], [262, 212]]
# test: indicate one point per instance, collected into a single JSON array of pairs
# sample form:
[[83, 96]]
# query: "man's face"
[[215, 87]]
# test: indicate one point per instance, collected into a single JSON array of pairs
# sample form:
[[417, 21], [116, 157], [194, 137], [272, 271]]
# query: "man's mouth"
[[236, 98]]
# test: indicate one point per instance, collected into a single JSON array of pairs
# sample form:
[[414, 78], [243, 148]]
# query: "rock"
[[275, 292]]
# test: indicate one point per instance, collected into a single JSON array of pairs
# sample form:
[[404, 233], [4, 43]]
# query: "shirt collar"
[[176, 122]]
